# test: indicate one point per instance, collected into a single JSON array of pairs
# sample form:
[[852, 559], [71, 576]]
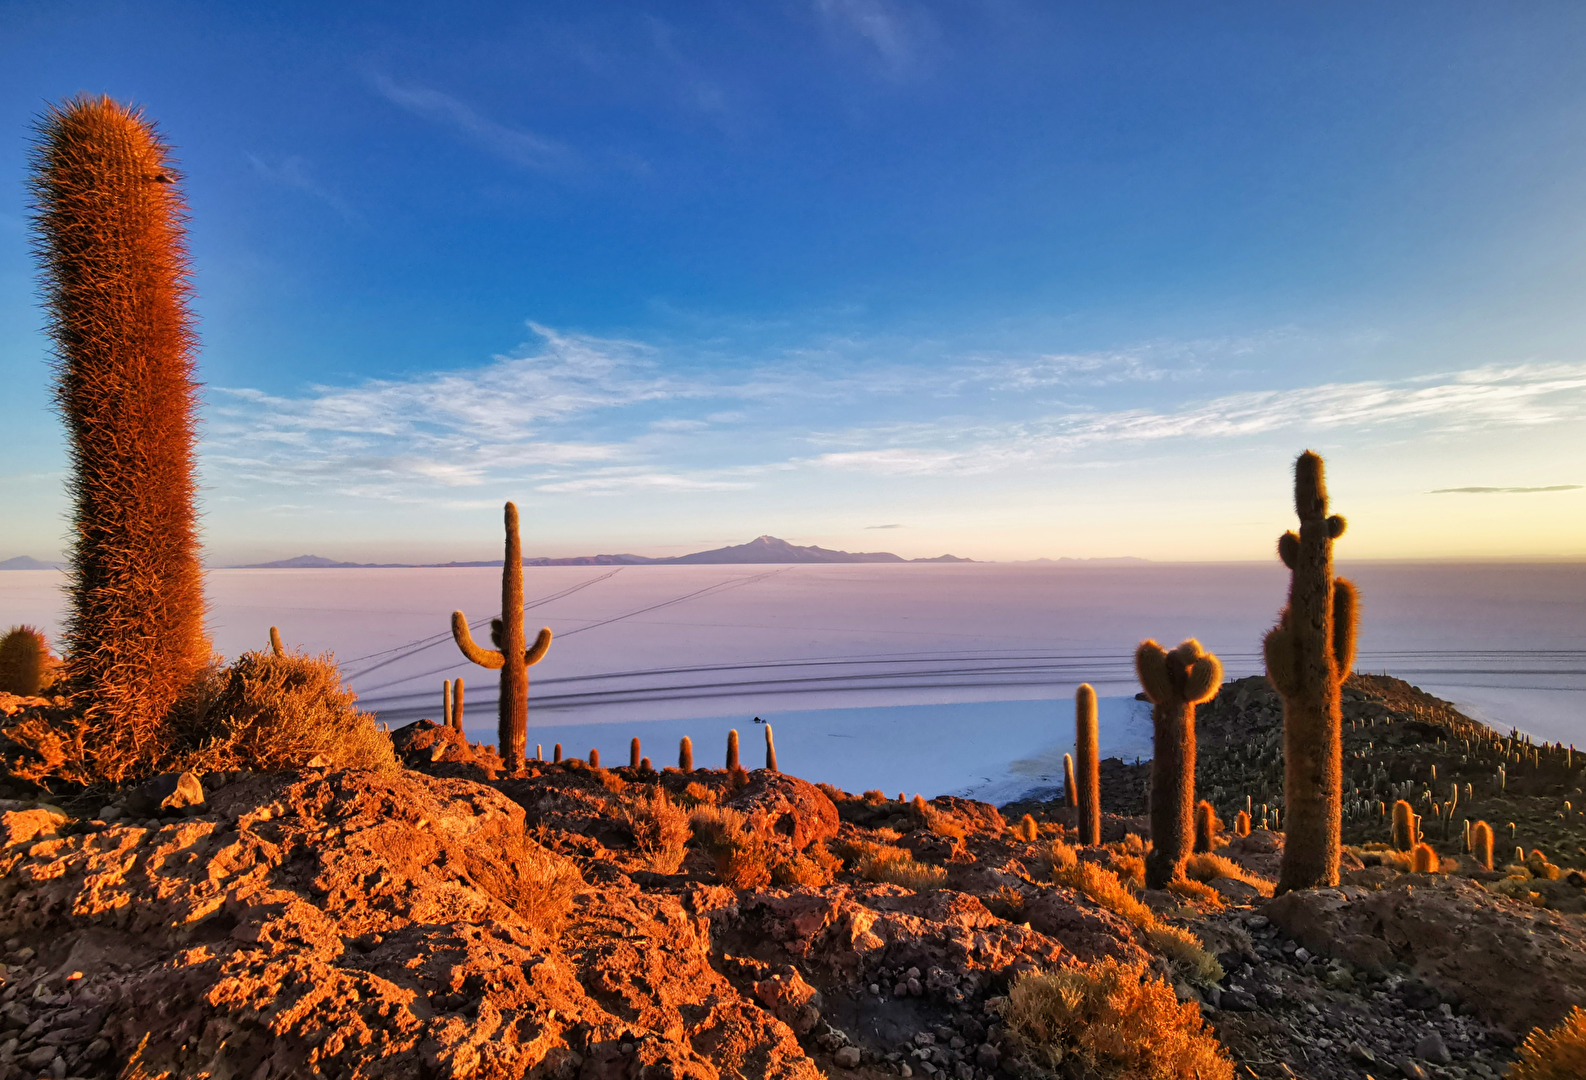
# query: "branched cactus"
[[510, 656], [24, 661], [109, 238], [1205, 826], [634, 756], [1481, 844], [1309, 655], [685, 754], [1088, 776], [1174, 682], [732, 749], [770, 750], [1070, 794], [1403, 826]]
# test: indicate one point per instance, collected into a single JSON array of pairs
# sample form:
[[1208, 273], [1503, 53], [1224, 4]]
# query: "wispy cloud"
[[294, 172], [884, 526], [1503, 490], [512, 144], [893, 33]]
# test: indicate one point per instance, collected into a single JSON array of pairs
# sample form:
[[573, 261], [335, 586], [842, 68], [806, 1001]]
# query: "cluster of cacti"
[[511, 655], [1174, 682], [1308, 656], [25, 662], [1087, 779], [452, 706], [115, 275]]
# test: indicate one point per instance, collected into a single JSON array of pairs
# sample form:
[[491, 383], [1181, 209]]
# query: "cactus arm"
[[485, 658], [1288, 549], [1205, 677], [1150, 663], [1336, 526], [542, 644], [1278, 649], [1346, 619]]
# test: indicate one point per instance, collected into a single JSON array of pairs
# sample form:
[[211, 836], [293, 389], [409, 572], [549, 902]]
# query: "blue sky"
[[1004, 279]]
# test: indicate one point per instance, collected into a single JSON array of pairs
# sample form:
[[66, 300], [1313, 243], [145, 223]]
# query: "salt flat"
[[855, 664]]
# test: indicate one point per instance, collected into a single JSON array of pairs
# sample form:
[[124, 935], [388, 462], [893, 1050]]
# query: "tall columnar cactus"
[[1070, 794], [446, 701], [1309, 655], [732, 749], [1403, 826], [634, 756], [456, 716], [770, 750], [1174, 682], [1088, 776], [685, 754], [24, 661], [510, 655], [109, 237], [1205, 826]]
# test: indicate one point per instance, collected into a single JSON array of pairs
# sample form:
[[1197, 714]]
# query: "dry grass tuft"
[[894, 865], [1206, 866], [812, 868], [1183, 948], [1060, 856], [660, 828], [1006, 903], [697, 794], [1191, 889], [1556, 1054], [537, 884], [742, 857], [1120, 1022], [267, 713], [1130, 870]]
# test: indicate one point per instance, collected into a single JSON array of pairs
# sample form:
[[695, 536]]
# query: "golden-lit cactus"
[[1205, 826], [455, 718], [1174, 682], [1088, 765], [109, 238], [770, 750], [594, 758], [1423, 860], [685, 754], [1403, 826], [634, 756], [275, 642], [1481, 844], [511, 656], [1309, 654], [732, 749], [1070, 795], [24, 661], [1242, 823]]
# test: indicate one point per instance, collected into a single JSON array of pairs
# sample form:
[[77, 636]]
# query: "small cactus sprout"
[[539, 751], [732, 749], [1087, 764], [1205, 826], [1309, 654], [1070, 795], [770, 750], [634, 757], [556, 754], [24, 661], [457, 704], [1027, 829], [685, 754], [645, 766], [1481, 844], [594, 758], [1175, 682], [275, 642], [512, 656], [1403, 826], [1423, 860], [1242, 823]]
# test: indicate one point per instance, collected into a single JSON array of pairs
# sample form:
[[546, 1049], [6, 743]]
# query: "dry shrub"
[[1206, 866], [660, 828], [1194, 890], [1183, 948], [1131, 844], [737, 780], [812, 868], [1537, 863], [1119, 1021], [1556, 1054], [697, 794], [537, 884], [936, 821], [1130, 870], [896, 866], [1006, 903], [1060, 856], [280, 712], [610, 780], [875, 797], [742, 857]]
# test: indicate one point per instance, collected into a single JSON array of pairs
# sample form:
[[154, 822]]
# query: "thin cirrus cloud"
[[1503, 490], [294, 172], [520, 147], [893, 33]]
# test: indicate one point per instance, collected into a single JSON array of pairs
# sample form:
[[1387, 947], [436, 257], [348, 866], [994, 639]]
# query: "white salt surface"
[[932, 678]]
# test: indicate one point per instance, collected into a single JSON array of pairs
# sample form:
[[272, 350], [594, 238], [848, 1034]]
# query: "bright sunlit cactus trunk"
[[1309, 655], [510, 656], [1088, 775], [109, 237], [1175, 682]]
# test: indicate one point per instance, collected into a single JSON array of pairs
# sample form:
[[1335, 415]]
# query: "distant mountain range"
[[24, 562], [764, 549]]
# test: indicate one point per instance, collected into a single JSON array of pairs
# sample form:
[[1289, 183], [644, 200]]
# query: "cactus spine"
[[685, 754], [1403, 826], [1205, 826], [24, 661], [1308, 656], [633, 753], [1174, 682], [732, 749], [1070, 795], [1088, 777], [114, 267], [510, 656], [1481, 844], [770, 750]]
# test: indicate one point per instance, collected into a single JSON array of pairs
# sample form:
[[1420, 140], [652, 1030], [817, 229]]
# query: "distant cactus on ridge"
[[770, 750], [634, 756], [685, 754], [732, 749], [511, 656], [1309, 654], [1174, 682]]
